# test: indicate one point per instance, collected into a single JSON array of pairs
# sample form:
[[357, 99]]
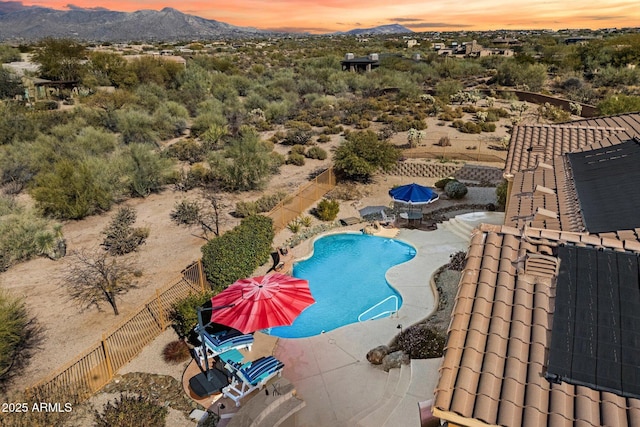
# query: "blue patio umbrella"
[[413, 194]]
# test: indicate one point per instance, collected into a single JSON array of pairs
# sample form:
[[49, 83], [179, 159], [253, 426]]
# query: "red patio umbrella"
[[262, 302]]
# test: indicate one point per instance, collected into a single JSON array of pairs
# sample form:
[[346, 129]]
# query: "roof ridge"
[[570, 125]]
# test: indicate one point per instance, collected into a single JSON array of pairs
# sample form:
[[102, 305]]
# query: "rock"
[[376, 355], [394, 360]]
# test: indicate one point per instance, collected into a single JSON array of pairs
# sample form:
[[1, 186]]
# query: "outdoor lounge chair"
[[251, 376], [387, 219], [221, 342]]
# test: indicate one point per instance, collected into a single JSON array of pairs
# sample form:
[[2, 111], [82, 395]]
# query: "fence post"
[[201, 274], [163, 323], [107, 359]]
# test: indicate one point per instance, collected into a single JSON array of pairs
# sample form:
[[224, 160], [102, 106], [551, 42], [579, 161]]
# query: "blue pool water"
[[346, 276]]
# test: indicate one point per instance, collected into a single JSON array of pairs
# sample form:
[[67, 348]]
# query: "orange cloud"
[[420, 15]]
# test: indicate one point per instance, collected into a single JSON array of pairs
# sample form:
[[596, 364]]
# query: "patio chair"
[[224, 341], [387, 219], [251, 376]]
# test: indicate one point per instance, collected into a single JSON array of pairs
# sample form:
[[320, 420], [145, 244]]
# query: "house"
[[545, 330], [360, 64]]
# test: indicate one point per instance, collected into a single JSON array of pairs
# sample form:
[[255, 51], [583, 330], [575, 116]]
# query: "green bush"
[[455, 190], [70, 191], [324, 138], [295, 159], [488, 127], [147, 171], [421, 342], [245, 209], [184, 313], [238, 252], [186, 150], [19, 337], [263, 204], [327, 210], [186, 212], [444, 181], [120, 237], [298, 149], [45, 105], [130, 411], [316, 153]]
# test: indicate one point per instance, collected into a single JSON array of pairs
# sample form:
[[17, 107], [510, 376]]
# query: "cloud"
[[74, 7], [438, 25], [403, 19], [601, 18], [299, 29]]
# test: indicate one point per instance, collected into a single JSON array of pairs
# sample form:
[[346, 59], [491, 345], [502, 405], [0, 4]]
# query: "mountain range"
[[29, 23], [18, 22]]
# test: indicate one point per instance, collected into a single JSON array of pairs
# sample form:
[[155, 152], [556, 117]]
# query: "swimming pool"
[[346, 275]]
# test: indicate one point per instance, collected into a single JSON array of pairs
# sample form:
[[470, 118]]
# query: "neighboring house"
[[360, 64], [470, 50], [545, 330]]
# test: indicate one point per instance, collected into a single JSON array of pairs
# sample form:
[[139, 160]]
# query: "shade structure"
[[261, 302], [413, 194]]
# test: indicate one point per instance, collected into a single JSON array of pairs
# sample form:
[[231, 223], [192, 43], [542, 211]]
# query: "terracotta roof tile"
[[534, 144], [494, 364]]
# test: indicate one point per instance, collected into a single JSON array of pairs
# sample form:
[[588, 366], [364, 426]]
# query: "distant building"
[[360, 64], [412, 42]]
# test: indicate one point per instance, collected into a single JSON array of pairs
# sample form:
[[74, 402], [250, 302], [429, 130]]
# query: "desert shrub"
[[45, 105], [268, 201], [467, 127], [421, 342], [263, 204], [455, 190], [316, 153], [120, 237], [553, 113], [332, 130], [294, 226], [19, 338], [362, 124], [176, 352], [323, 138], [295, 159], [444, 181], [184, 312], [297, 149], [362, 154], [187, 212], [327, 210], [491, 117], [444, 141], [147, 171], [70, 191], [488, 127], [457, 261], [296, 136], [245, 209], [236, 253], [131, 411], [186, 150]]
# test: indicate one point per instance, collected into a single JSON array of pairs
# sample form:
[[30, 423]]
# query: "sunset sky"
[[323, 16]]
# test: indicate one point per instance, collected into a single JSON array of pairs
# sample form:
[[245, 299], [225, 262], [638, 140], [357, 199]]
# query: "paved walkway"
[[330, 371]]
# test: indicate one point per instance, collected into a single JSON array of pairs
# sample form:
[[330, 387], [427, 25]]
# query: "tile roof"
[[533, 144], [496, 353]]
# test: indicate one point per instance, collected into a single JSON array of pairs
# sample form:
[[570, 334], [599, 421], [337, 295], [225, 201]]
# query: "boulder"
[[394, 360], [376, 355]]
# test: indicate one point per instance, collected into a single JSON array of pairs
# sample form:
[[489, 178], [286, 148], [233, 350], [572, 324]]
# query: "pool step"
[[424, 377], [392, 380], [379, 413], [459, 228]]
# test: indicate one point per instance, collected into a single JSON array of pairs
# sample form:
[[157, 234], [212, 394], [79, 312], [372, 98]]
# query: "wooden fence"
[[97, 365], [292, 207]]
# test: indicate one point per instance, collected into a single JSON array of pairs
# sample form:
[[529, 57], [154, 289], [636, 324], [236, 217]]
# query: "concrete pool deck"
[[330, 371]]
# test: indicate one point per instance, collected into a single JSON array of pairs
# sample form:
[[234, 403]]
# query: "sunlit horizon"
[[327, 16]]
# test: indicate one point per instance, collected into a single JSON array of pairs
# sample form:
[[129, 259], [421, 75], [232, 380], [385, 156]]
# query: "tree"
[[70, 191], [93, 278], [10, 85], [20, 337], [148, 171], [8, 54], [245, 164], [120, 237], [60, 59], [361, 154], [108, 69]]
